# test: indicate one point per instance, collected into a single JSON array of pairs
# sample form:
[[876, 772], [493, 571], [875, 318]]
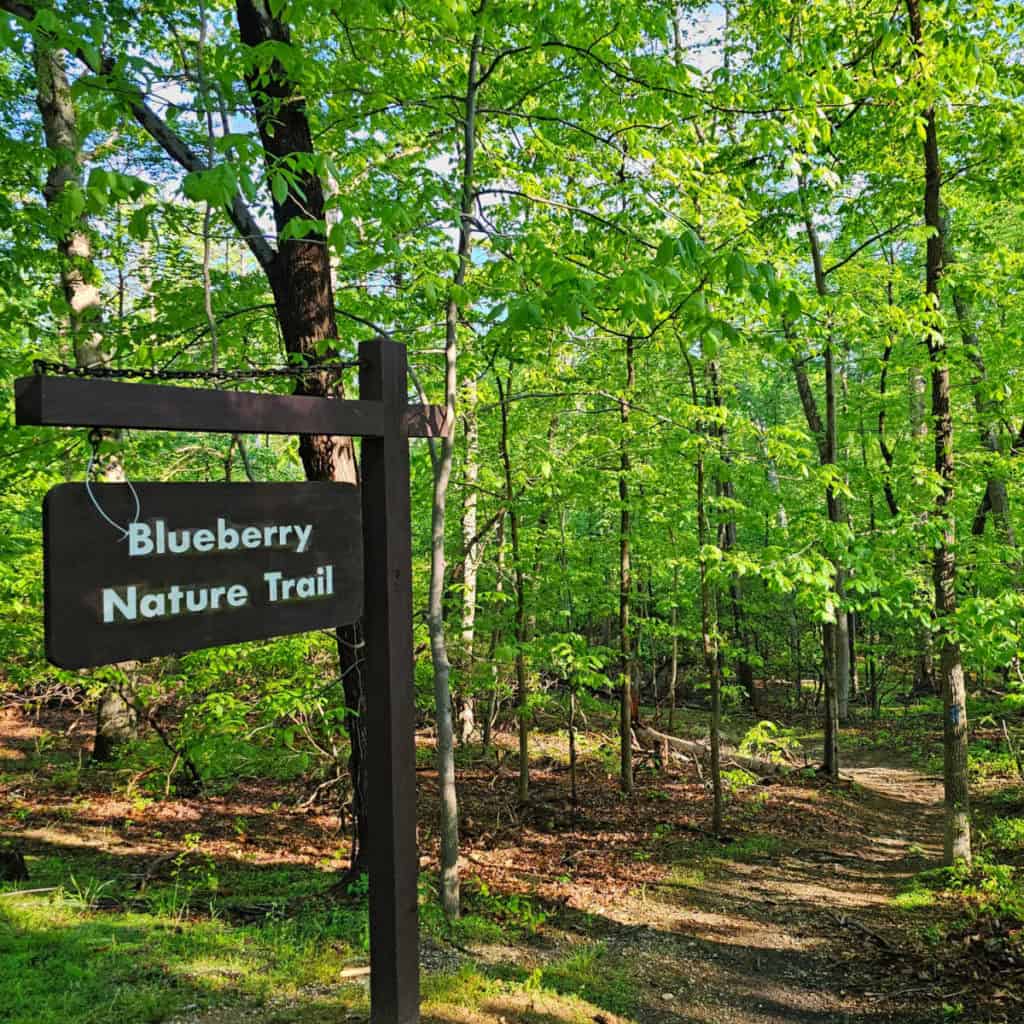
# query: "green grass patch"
[[590, 973], [689, 876], [64, 963], [751, 848], [915, 898]]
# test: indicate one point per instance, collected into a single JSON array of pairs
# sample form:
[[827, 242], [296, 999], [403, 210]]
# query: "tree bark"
[[708, 619], [472, 555], [522, 685], [727, 542], [499, 587], [997, 500], [116, 717], [836, 657], [957, 845], [299, 274], [817, 428], [625, 584], [449, 823]]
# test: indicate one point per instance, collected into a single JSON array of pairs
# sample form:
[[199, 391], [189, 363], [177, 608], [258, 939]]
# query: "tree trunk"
[[522, 687], [472, 555], [442, 464], [708, 619], [116, 717], [836, 656], [996, 499], [499, 587], [625, 584], [299, 274], [957, 793], [837, 515], [727, 541], [573, 796], [673, 678], [817, 428], [709, 642]]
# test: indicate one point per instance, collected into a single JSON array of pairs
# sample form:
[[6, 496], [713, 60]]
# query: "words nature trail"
[[150, 539]]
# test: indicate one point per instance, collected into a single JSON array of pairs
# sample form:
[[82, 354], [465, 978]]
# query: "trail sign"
[[202, 565], [385, 421]]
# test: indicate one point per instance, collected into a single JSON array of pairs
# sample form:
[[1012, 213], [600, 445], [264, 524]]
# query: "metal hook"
[[95, 439]]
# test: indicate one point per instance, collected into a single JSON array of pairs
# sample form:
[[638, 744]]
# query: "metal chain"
[[42, 367]]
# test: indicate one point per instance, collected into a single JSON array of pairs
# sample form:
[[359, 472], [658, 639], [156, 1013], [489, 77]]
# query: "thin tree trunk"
[[817, 428], [727, 542], [522, 687], [499, 587], [442, 463], [997, 500], [837, 515], [625, 584], [673, 678], [572, 749], [957, 792], [709, 635], [836, 643], [472, 555]]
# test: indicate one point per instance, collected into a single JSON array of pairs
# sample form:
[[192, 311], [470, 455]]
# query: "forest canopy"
[[723, 302]]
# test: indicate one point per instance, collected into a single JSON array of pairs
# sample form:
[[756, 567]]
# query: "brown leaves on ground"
[[787, 918]]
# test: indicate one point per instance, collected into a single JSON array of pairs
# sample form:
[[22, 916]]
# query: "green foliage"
[[1006, 834], [513, 910], [770, 740], [986, 889]]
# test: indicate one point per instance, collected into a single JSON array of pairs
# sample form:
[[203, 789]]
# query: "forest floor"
[[219, 908]]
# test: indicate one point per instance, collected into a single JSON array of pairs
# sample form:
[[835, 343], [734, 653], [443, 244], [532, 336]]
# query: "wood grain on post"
[[390, 705]]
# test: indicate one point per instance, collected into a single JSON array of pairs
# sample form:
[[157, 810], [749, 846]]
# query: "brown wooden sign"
[[85, 557], [195, 565]]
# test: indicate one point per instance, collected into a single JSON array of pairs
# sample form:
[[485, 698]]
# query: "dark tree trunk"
[[727, 542], [625, 584], [117, 723], [299, 273], [955, 735]]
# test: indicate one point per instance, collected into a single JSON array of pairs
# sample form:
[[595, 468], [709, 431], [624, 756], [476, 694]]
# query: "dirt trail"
[[805, 934]]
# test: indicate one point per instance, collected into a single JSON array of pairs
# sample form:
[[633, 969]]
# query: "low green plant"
[[1006, 834], [739, 778], [86, 892], [594, 974], [983, 888], [769, 739], [516, 910]]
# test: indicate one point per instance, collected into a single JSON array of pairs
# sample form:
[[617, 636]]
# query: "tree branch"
[[164, 136]]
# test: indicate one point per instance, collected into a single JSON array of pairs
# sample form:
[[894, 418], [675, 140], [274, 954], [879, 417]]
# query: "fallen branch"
[[686, 749], [848, 922]]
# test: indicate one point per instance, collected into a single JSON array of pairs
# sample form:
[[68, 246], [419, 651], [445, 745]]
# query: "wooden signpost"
[[135, 602]]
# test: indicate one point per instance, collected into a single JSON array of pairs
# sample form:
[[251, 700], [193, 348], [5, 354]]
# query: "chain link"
[[42, 367]]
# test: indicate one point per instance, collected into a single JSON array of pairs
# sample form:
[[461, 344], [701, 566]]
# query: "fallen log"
[[651, 739]]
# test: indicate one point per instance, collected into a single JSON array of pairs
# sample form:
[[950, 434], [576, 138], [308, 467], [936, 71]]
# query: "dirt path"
[[804, 933]]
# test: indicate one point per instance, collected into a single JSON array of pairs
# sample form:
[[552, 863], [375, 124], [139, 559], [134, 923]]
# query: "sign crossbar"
[[42, 401]]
